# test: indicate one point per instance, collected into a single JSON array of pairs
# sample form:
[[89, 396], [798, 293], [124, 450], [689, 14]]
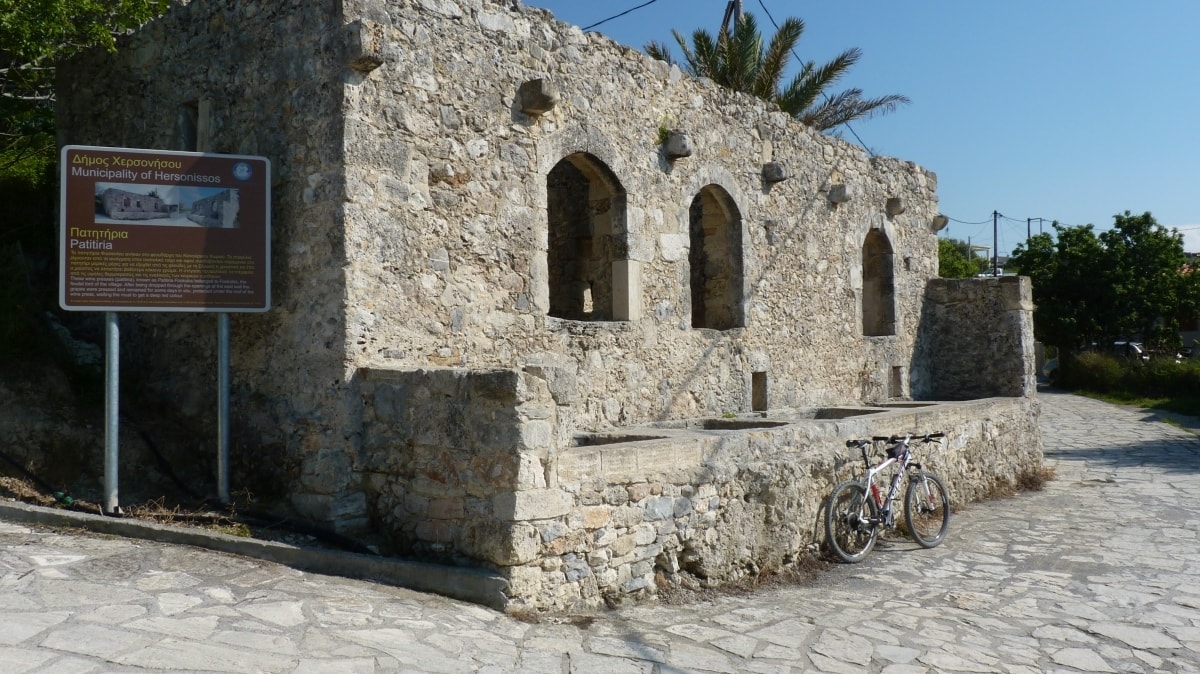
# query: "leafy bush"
[[28, 279], [1092, 371], [1105, 374], [20, 331]]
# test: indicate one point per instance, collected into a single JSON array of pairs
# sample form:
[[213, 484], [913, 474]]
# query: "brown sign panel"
[[149, 230]]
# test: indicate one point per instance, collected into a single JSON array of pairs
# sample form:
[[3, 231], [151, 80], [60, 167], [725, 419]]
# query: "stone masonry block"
[[536, 435], [446, 508], [435, 532], [535, 504], [595, 517], [561, 380], [364, 46], [623, 545], [620, 463], [638, 491], [537, 97], [531, 474], [580, 463]]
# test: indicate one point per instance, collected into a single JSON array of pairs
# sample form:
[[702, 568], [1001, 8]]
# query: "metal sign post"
[[112, 408], [223, 407]]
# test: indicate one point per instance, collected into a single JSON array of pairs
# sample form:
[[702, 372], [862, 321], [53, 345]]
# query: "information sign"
[[149, 230]]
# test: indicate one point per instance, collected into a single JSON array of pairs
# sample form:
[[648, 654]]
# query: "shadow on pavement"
[[1180, 455]]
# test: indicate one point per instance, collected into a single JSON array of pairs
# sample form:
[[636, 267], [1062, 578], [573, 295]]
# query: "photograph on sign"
[[166, 205], [151, 230]]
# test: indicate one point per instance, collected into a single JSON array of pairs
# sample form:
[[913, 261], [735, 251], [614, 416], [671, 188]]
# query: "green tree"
[[955, 259], [1127, 281], [742, 61], [34, 35], [1145, 268]]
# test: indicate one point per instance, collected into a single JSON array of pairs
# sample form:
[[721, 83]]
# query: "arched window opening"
[[715, 260], [879, 288], [589, 275]]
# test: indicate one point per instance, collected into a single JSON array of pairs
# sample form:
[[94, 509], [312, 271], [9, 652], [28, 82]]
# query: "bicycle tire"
[[851, 522], [926, 509]]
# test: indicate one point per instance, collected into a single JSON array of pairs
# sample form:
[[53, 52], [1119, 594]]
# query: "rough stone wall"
[[449, 188], [977, 336]]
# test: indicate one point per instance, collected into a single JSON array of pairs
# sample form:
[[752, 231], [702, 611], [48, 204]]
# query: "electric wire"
[[849, 128], [617, 16]]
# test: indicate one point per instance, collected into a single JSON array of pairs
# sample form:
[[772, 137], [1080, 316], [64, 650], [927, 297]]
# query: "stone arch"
[[587, 252], [715, 260], [879, 285]]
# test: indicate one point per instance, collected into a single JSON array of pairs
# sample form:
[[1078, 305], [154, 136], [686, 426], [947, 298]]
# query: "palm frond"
[[705, 61], [741, 53], [659, 51], [738, 60], [774, 60]]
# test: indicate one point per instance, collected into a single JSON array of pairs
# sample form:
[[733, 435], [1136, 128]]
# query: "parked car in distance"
[[1130, 350], [1050, 370]]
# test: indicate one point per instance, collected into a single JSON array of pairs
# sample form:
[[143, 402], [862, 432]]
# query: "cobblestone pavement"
[[1099, 572]]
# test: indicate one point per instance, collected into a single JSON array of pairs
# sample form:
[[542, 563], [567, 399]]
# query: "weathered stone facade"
[[494, 233], [122, 205]]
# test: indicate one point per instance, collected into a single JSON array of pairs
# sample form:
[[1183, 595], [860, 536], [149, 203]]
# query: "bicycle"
[[853, 519]]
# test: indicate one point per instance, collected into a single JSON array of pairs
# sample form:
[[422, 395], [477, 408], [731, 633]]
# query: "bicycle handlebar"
[[927, 437]]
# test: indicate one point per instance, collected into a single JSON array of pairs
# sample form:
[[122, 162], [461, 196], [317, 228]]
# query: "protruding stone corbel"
[[895, 206], [678, 145], [774, 172], [840, 193], [537, 97], [364, 46]]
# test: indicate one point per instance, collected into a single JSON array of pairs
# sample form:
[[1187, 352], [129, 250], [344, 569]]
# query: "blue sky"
[[1068, 110]]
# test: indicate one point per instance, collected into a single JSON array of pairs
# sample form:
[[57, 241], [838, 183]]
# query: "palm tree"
[[740, 61]]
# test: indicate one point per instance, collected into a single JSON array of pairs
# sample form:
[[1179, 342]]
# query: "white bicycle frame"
[[884, 504]]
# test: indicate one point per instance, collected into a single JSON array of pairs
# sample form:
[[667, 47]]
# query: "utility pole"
[[1028, 231], [995, 243], [732, 10]]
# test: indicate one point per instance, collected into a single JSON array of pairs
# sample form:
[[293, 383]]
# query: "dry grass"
[[1035, 479], [1030, 479], [807, 569]]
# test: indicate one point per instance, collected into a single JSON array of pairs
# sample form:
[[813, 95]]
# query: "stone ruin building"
[[218, 210], [124, 205], [546, 307]]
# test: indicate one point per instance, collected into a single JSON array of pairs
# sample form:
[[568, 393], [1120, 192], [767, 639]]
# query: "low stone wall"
[[470, 467], [976, 334]]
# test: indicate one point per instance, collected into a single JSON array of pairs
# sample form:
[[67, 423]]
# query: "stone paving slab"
[[1100, 572]]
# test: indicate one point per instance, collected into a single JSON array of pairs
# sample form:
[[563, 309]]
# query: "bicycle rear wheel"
[[851, 522], [926, 509]]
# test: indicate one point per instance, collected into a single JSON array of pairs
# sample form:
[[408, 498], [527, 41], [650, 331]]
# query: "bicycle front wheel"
[[926, 509], [851, 522]]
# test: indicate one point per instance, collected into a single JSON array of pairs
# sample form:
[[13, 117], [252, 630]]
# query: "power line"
[[617, 16]]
